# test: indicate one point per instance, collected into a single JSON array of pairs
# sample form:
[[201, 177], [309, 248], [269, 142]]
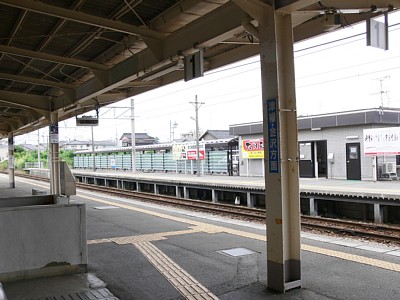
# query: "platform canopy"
[[68, 56]]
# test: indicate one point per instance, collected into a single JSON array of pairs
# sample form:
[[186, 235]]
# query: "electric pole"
[[197, 106], [382, 92], [38, 148], [133, 136], [172, 128], [93, 154]]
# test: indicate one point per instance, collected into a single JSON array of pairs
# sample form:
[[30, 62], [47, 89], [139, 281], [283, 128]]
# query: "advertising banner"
[[380, 141], [253, 148], [179, 152], [192, 152], [188, 151]]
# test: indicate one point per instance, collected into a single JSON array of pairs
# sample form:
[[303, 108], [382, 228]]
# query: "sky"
[[334, 72]]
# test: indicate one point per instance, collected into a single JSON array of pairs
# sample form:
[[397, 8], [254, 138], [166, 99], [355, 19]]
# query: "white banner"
[[379, 141]]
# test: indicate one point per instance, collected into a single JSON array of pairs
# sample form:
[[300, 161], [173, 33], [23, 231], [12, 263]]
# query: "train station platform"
[[143, 251], [360, 188]]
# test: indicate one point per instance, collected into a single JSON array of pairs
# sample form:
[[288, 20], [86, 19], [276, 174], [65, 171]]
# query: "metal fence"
[[214, 162]]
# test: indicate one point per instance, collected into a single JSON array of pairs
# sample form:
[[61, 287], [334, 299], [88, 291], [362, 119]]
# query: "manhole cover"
[[237, 252], [105, 207]]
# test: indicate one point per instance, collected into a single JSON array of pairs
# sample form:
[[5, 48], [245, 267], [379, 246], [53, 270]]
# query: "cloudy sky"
[[335, 72]]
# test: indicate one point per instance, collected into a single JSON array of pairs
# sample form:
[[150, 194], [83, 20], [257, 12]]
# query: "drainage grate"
[[105, 207], [235, 252], [101, 294]]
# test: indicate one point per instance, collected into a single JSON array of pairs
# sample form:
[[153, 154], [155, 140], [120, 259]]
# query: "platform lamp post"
[[197, 106]]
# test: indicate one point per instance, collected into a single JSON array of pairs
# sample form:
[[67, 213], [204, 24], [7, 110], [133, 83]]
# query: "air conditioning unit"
[[389, 168]]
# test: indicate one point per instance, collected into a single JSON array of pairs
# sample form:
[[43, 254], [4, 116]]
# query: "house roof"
[[217, 134], [381, 116], [137, 136]]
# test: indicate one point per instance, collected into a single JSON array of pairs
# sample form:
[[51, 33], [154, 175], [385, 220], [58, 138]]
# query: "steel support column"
[[11, 161], [282, 184]]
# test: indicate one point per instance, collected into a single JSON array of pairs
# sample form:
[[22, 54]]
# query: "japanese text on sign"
[[253, 148], [379, 141], [273, 135]]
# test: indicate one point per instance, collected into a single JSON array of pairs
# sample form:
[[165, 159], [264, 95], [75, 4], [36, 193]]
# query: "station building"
[[332, 145]]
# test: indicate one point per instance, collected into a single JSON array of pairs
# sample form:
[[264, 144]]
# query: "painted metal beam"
[[37, 81], [38, 103], [318, 26], [293, 5], [35, 115], [223, 23], [52, 58], [81, 17], [351, 5]]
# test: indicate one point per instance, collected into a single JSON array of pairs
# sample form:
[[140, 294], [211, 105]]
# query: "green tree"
[[22, 156]]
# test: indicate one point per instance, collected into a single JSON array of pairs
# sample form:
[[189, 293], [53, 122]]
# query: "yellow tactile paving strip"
[[352, 257], [189, 287], [211, 229]]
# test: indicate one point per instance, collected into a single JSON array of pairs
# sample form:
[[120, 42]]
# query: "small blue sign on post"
[[273, 135]]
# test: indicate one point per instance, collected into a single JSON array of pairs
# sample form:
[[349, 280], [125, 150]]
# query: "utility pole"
[[382, 92], [93, 155], [172, 130], [38, 148], [133, 136], [197, 105]]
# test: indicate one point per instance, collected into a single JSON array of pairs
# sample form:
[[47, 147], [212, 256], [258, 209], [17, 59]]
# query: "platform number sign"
[[194, 65], [273, 135]]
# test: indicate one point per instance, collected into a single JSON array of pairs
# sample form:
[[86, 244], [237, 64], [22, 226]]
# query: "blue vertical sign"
[[273, 135]]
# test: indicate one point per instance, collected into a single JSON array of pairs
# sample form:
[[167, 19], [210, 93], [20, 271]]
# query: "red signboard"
[[192, 154]]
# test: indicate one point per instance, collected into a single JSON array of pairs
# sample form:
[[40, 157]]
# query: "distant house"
[[86, 145], [140, 139], [28, 147], [216, 135]]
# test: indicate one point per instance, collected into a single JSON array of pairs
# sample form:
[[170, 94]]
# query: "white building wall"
[[337, 138]]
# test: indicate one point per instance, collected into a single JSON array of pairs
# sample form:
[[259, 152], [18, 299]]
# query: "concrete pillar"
[[313, 207], [156, 189], [214, 196], [54, 157], [185, 192], [177, 194], [280, 139], [378, 213], [138, 189], [11, 160], [250, 200]]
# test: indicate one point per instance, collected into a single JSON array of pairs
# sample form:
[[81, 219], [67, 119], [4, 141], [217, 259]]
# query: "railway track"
[[376, 232]]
